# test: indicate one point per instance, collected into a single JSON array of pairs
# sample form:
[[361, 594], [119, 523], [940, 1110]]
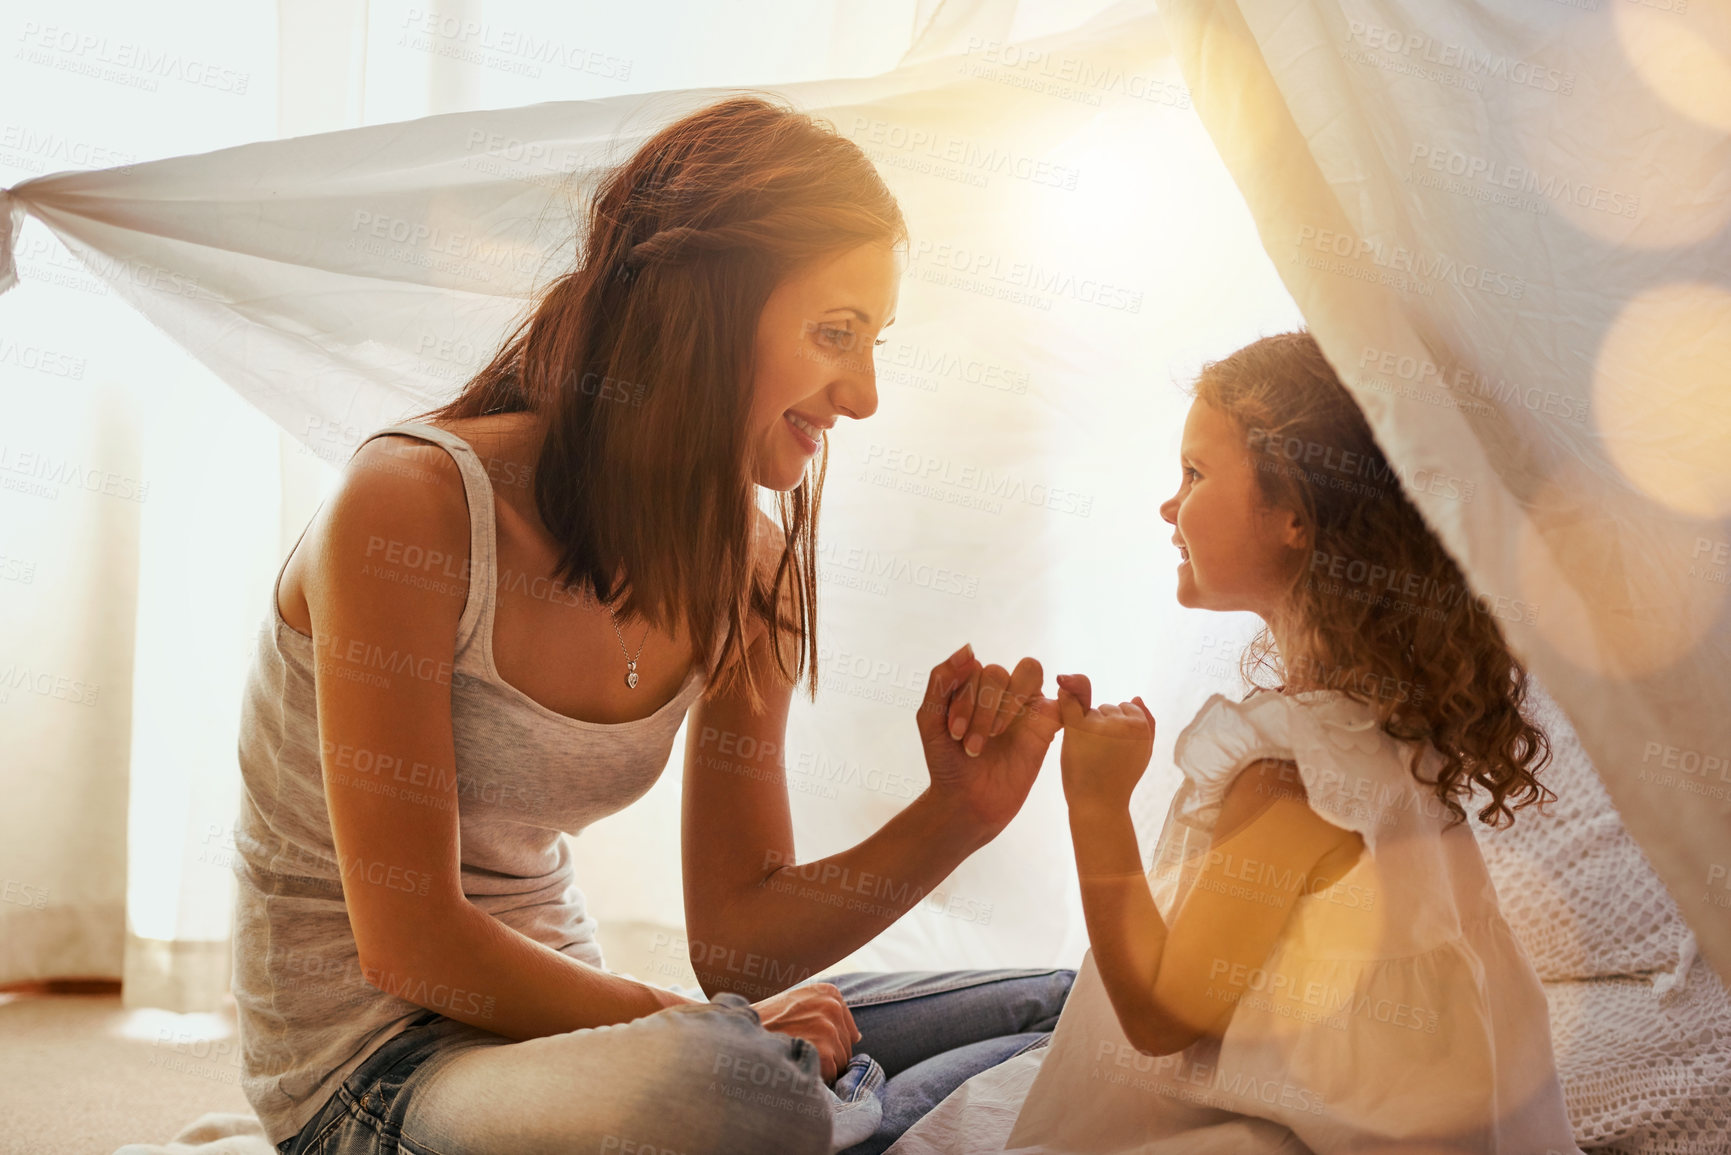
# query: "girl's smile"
[[1235, 551]]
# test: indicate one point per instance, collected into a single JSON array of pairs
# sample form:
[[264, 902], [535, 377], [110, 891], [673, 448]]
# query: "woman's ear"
[[1294, 534]]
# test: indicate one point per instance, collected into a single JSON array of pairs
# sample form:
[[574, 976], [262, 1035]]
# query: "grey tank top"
[[525, 775]]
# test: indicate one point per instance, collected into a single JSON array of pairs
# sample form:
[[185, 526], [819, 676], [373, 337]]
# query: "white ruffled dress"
[[1396, 1013]]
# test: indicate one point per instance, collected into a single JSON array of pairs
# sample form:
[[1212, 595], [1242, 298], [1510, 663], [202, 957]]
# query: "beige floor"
[[82, 1075]]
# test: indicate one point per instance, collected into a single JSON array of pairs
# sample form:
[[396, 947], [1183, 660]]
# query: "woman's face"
[[1236, 553], [814, 357]]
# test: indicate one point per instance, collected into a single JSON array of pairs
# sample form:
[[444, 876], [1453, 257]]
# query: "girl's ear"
[[1293, 532]]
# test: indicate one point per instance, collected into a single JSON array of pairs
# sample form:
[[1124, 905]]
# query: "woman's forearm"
[[467, 965], [804, 917], [1125, 930]]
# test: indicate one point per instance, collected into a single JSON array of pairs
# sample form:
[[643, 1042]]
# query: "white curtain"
[[1078, 250], [1506, 222]]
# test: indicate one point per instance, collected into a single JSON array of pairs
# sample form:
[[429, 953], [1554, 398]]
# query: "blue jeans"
[[700, 1078]]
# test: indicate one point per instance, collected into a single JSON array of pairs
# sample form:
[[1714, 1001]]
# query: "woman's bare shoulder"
[[395, 471], [397, 496]]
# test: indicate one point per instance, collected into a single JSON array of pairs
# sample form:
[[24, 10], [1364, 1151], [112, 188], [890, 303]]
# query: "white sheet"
[[338, 281], [1506, 224]]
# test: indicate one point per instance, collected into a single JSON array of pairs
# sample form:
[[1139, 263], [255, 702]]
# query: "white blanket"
[[216, 1133]]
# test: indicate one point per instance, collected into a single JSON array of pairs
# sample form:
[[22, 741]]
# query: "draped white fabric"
[[1506, 223], [1078, 249]]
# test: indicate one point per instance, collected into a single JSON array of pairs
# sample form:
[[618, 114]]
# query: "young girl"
[[1316, 960]]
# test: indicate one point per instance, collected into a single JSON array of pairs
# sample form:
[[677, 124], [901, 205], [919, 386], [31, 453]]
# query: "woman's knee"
[[698, 1078], [1056, 991], [723, 1084]]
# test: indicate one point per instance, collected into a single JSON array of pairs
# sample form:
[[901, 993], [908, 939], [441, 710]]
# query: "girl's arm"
[[757, 919], [1269, 847], [1125, 930], [1170, 985]]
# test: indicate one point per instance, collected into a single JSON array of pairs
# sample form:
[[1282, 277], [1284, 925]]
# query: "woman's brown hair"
[[1379, 610], [641, 360]]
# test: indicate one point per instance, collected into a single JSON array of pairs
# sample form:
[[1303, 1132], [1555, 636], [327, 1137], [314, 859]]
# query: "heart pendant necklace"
[[630, 661]]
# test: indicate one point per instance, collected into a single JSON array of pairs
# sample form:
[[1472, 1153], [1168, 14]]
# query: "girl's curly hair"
[[1380, 611]]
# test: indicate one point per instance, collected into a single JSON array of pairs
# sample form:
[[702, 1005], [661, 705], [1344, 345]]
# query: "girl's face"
[[1236, 553], [814, 357]]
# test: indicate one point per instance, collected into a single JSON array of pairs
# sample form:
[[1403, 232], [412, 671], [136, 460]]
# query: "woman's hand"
[[985, 732], [1106, 750], [816, 1013]]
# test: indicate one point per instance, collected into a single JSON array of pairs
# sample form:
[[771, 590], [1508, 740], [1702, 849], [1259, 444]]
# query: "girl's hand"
[[1106, 750], [985, 732]]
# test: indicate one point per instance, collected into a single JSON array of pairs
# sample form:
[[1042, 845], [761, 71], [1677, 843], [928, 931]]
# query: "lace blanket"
[[1640, 1024]]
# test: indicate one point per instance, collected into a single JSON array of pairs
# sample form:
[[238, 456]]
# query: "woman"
[[489, 635]]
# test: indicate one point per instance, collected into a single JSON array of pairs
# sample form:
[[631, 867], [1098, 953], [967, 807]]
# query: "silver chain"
[[630, 661]]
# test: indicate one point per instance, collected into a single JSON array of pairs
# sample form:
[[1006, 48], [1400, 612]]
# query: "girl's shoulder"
[[1355, 774]]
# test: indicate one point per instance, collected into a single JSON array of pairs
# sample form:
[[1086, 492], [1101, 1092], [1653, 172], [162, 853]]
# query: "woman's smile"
[[806, 432], [800, 381]]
